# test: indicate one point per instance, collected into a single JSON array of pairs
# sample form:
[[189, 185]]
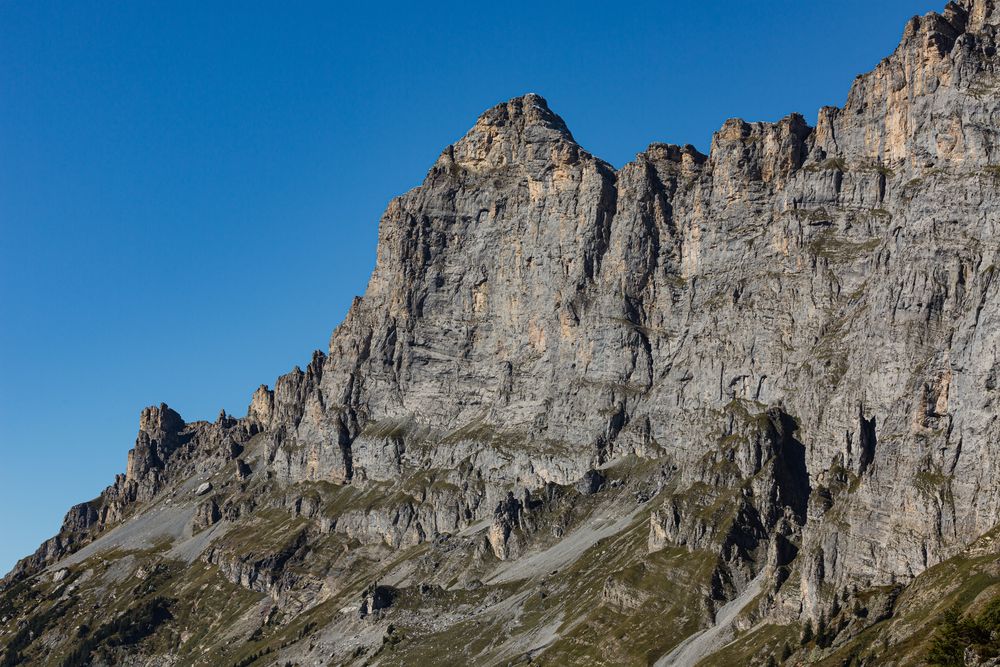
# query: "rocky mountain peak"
[[522, 112], [760, 151], [522, 133], [158, 420], [979, 14]]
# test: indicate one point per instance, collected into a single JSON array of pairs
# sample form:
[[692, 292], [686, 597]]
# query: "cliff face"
[[635, 393]]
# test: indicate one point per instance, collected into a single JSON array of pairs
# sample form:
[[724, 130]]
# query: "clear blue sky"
[[189, 195]]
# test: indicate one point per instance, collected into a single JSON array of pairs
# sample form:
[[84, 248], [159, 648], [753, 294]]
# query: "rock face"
[[791, 343]]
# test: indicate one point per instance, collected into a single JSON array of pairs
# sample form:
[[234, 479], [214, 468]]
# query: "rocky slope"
[[579, 410]]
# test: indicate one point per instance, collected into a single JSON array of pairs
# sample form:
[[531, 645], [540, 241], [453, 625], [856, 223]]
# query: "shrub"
[[130, 628], [955, 634]]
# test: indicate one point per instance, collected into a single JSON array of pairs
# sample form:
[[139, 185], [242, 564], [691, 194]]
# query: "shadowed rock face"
[[798, 332]]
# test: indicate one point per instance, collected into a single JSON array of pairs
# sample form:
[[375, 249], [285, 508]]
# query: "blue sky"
[[189, 195]]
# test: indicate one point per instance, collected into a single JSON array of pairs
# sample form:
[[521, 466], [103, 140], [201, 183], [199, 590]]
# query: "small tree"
[[807, 632], [821, 631], [953, 635]]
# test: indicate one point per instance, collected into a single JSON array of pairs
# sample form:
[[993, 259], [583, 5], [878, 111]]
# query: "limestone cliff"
[[578, 409]]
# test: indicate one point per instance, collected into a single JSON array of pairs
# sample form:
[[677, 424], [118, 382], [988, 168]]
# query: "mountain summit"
[[738, 408]]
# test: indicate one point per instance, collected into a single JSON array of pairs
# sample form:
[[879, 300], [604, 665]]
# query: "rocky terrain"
[[735, 408]]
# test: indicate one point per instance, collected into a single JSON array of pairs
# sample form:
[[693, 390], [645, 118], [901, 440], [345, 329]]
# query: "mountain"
[[736, 408]]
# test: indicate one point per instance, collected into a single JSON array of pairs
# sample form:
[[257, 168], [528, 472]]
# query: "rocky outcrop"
[[207, 514], [374, 599], [506, 519]]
